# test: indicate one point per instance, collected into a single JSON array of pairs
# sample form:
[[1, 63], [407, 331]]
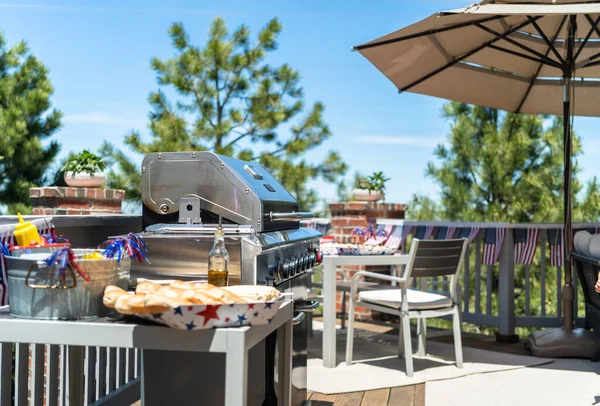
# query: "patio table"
[[330, 262], [158, 344]]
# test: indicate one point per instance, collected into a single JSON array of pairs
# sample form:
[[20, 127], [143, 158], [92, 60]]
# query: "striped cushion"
[[417, 300]]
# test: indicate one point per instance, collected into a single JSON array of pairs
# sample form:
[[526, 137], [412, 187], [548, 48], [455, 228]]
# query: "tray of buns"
[[195, 305]]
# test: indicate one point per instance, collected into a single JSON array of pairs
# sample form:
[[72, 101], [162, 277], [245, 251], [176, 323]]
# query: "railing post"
[[506, 290]]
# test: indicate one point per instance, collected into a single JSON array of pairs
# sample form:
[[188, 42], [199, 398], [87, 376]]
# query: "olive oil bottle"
[[218, 259]]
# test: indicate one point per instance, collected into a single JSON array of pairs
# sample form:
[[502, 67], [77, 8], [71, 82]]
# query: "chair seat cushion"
[[417, 299]]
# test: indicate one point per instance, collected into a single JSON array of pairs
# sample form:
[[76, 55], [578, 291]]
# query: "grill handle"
[[308, 307], [293, 216], [298, 319]]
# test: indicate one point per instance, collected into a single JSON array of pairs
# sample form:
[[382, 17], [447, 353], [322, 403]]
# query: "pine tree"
[[506, 168], [25, 122], [230, 101]]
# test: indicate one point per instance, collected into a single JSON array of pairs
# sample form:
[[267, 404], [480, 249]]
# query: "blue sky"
[[98, 53]]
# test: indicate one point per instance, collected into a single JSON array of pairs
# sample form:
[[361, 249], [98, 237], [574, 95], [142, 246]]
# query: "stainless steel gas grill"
[[183, 194]]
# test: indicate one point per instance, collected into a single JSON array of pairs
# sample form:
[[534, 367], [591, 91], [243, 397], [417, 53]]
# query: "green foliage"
[[373, 183], [230, 101], [506, 168], [84, 162], [423, 208], [27, 121], [22, 208]]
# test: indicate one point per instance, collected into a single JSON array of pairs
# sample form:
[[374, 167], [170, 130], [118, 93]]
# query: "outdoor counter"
[[157, 344]]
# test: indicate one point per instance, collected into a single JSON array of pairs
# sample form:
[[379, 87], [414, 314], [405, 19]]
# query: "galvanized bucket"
[[34, 291]]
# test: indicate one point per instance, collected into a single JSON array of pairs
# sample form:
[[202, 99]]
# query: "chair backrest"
[[432, 258], [587, 270]]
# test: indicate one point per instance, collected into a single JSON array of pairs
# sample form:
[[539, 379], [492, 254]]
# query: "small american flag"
[[468, 233], [525, 244], [382, 233], [424, 232], [591, 230], [492, 244], [444, 233], [557, 252], [398, 236]]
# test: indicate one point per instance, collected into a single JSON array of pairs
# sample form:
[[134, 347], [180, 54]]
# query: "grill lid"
[[194, 187]]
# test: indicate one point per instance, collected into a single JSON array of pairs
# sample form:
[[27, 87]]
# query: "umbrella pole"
[[567, 292], [566, 341]]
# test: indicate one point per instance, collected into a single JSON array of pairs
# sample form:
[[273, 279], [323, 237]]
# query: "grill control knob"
[[278, 272], [285, 271], [318, 256], [312, 260], [301, 263], [293, 266]]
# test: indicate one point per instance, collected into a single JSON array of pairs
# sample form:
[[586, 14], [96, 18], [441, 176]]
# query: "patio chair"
[[429, 258], [587, 270], [344, 286]]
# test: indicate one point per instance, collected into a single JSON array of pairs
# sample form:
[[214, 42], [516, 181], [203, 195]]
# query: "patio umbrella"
[[538, 57]]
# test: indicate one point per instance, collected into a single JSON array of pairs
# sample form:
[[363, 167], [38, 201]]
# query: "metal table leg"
[[236, 371], [329, 313]]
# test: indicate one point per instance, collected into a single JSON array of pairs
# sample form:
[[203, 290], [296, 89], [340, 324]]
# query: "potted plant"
[[84, 170], [370, 188]]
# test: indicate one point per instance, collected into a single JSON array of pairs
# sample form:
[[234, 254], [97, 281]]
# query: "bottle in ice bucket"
[[26, 233], [218, 259]]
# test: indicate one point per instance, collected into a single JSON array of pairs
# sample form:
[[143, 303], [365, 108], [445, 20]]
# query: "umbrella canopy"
[[520, 56], [505, 55]]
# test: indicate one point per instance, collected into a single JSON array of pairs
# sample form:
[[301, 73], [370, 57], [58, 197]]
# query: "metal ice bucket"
[[34, 293]]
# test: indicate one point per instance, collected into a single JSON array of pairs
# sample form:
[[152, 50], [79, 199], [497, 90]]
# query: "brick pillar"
[[347, 216], [48, 201]]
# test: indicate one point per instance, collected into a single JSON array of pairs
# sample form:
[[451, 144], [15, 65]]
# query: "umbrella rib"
[[593, 26], [465, 56], [597, 31], [424, 33], [537, 73], [591, 64], [517, 43], [525, 56], [550, 44]]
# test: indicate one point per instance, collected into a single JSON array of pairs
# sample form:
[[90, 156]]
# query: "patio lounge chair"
[[587, 269], [428, 259]]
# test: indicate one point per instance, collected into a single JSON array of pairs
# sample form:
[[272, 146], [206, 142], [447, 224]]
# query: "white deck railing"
[[488, 291], [60, 375]]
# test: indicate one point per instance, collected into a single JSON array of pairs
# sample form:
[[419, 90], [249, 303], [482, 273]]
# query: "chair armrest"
[[375, 275], [402, 282]]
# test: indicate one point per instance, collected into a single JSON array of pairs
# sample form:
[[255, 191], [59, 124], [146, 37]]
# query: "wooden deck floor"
[[402, 396], [413, 395]]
